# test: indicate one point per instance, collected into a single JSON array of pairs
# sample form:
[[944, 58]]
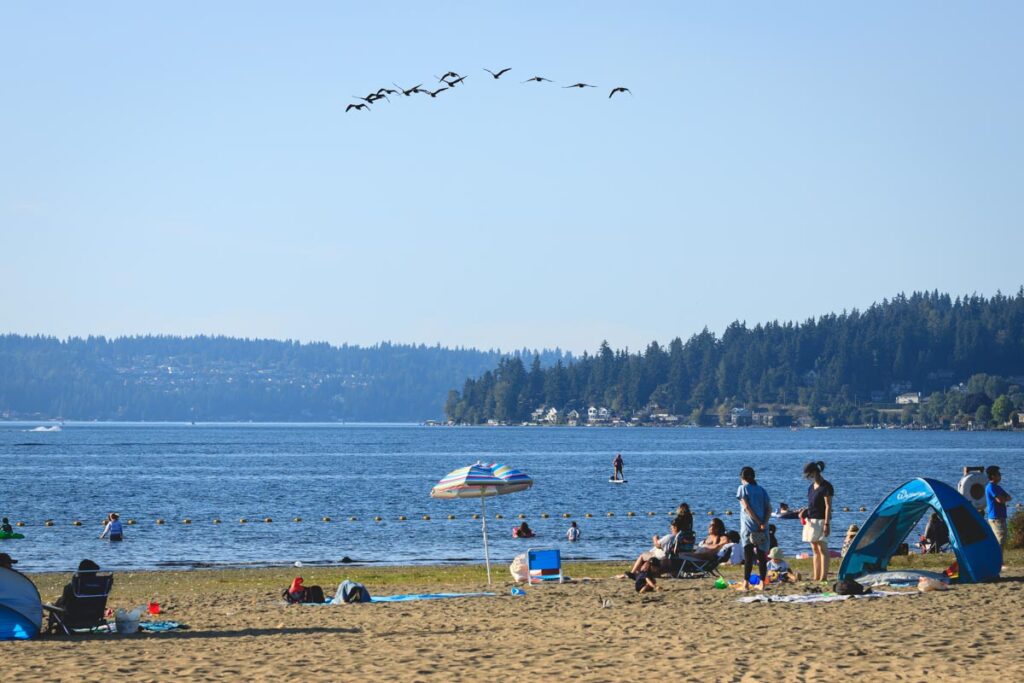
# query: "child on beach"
[[573, 534], [646, 580], [778, 568]]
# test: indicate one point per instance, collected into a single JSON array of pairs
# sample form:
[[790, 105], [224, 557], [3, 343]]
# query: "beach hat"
[[775, 553], [6, 561]]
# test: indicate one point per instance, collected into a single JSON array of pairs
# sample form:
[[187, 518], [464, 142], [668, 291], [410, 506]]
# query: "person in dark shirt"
[[817, 518], [617, 464], [646, 580]]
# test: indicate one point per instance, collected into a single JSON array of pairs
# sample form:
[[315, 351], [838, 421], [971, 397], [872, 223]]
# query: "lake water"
[[230, 471]]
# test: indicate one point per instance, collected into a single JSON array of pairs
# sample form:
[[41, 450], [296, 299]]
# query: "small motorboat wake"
[[51, 428]]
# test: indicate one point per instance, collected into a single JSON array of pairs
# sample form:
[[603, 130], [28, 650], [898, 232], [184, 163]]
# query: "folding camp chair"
[[83, 604], [688, 566], [544, 565]]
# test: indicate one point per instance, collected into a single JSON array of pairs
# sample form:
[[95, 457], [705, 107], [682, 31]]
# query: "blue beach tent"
[[21, 610], [977, 551]]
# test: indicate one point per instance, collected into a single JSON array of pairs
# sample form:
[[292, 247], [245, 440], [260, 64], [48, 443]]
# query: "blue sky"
[[187, 167]]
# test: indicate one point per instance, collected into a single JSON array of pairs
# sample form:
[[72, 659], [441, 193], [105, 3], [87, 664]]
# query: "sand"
[[241, 630]]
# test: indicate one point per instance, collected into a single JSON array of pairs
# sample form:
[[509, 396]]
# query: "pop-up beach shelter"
[[21, 610], [977, 551]]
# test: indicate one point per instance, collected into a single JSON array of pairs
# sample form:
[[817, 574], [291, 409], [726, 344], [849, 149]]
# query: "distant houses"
[[909, 398]]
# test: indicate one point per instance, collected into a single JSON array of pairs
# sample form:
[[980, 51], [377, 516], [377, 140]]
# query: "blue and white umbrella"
[[481, 480]]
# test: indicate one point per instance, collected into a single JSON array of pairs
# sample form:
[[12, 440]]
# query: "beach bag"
[[849, 587], [519, 569], [353, 592], [759, 538]]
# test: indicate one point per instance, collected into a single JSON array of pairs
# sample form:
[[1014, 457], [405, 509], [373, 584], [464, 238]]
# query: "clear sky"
[[187, 167]]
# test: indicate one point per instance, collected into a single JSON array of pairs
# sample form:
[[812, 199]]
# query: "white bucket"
[[128, 622]]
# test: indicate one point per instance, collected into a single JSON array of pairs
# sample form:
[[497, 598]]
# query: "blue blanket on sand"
[[410, 597], [427, 596]]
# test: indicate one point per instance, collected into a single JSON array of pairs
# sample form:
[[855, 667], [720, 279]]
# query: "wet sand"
[[240, 629]]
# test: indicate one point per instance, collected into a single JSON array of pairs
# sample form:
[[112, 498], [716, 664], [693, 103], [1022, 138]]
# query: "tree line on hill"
[[222, 378], [842, 369]]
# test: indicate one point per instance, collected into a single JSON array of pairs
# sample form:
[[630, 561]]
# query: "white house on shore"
[[909, 398]]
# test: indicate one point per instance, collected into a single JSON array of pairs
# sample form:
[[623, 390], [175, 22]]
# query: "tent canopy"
[[21, 610], [977, 552]]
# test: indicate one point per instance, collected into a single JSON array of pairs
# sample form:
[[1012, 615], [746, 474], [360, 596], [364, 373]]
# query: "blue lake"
[[230, 471]]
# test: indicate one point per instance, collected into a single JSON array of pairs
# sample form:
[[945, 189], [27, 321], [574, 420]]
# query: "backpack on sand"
[[849, 587]]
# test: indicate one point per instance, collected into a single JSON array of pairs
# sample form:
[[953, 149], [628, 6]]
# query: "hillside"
[[222, 378], [834, 365]]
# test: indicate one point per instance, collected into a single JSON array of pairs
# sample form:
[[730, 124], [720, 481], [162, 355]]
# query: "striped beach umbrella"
[[481, 480]]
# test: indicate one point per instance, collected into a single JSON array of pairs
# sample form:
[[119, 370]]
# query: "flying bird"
[[410, 91], [450, 74], [455, 82], [357, 107], [619, 89], [434, 93], [373, 97], [579, 85], [538, 79], [369, 99], [496, 76], [387, 91]]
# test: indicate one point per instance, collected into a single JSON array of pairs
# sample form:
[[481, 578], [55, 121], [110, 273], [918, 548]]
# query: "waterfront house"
[[908, 398]]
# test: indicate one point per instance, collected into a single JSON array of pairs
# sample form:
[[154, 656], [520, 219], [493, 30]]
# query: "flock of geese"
[[450, 81]]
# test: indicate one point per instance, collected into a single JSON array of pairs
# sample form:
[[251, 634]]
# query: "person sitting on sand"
[[6, 527], [6, 561], [778, 568], [851, 533], [647, 578], [523, 531], [936, 535]]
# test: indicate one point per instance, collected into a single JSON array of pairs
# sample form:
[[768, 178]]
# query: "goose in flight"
[[455, 82], [450, 74], [410, 91], [538, 79], [434, 93], [357, 107], [496, 76], [619, 89], [579, 85]]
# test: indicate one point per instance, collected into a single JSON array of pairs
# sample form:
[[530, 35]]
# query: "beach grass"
[[390, 579]]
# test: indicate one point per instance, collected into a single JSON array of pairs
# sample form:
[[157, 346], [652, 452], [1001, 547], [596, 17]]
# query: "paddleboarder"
[[617, 464]]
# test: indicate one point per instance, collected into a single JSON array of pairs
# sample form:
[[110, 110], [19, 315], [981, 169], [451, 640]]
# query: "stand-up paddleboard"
[[616, 481]]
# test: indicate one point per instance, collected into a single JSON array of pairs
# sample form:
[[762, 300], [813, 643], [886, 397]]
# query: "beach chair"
[[544, 565], [688, 566], [83, 604]]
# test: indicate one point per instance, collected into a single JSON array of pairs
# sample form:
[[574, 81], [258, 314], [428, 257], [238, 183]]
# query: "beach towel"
[[427, 596], [161, 626], [819, 597]]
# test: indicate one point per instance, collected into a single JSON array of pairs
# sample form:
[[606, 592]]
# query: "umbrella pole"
[[487, 556]]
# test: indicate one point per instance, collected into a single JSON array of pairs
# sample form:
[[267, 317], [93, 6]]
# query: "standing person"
[[995, 504], [617, 464], [817, 518], [755, 510], [573, 534], [113, 528]]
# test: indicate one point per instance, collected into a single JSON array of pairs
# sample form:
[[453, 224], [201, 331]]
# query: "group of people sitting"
[[678, 548]]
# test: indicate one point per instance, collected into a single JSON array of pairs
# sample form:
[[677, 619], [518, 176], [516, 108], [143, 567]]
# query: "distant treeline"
[[223, 378], [923, 343]]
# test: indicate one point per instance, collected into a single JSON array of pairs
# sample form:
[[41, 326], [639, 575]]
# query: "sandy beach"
[[240, 629]]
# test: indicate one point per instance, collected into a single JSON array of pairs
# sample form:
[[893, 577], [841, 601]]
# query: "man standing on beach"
[[995, 504]]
